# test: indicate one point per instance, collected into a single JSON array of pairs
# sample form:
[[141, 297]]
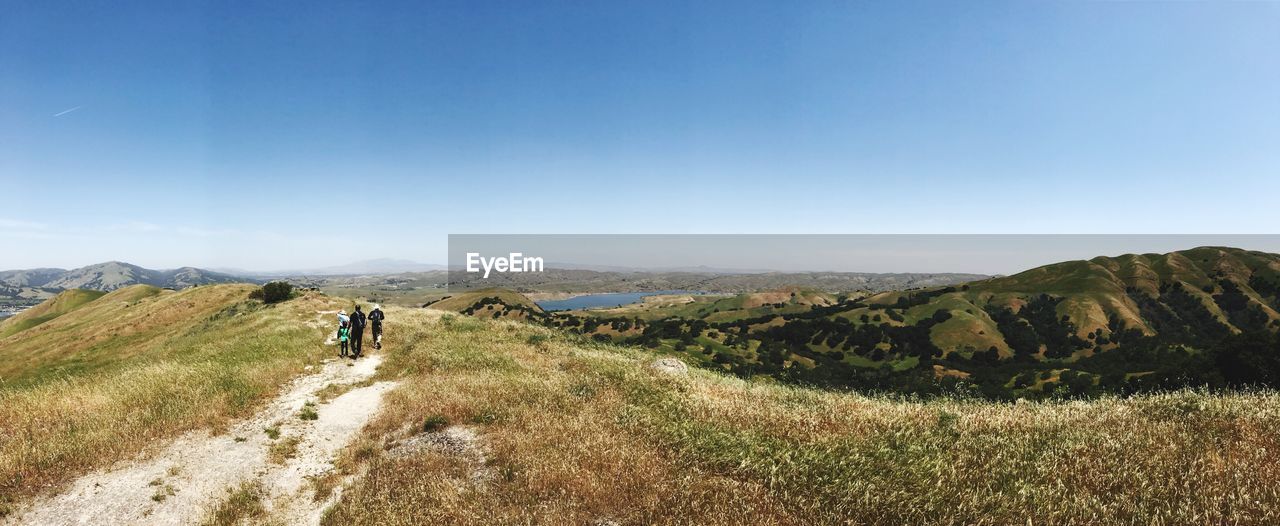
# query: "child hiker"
[[344, 332]]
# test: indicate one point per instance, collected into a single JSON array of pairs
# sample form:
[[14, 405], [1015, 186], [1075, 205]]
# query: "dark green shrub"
[[276, 292]]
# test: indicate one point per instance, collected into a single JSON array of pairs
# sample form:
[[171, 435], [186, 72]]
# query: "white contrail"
[[64, 112]]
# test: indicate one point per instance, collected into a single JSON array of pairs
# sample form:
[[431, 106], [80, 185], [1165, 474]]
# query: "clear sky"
[[301, 134]]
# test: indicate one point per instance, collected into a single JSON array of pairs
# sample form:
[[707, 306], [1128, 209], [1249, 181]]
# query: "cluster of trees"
[[913, 299], [1037, 323], [501, 308]]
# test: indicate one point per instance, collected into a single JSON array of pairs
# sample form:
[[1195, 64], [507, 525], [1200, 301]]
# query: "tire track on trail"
[[185, 481]]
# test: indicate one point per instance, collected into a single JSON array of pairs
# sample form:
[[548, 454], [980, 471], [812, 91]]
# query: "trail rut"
[[182, 483]]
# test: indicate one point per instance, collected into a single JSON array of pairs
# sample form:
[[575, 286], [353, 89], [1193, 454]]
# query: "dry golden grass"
[[241, 506], [569, 431], [113, 378], [574, 432], [284, 449]]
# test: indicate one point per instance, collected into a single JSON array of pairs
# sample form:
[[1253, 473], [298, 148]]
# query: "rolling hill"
[[33, 285], [65, 302], [491, 303], [1137, 321], [1189, 295]]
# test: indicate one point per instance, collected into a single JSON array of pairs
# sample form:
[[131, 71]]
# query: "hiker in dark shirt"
[[375, 321], [357, 332]]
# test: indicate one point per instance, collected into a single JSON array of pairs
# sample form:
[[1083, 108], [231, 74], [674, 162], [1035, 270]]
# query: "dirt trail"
[[184, 482]]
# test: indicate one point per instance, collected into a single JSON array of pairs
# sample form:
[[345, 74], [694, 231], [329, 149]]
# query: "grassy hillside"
[[1107, 286], [1204, 316], [496, 421], [491, 303], [102, 381], [63, 303], [569, 431]]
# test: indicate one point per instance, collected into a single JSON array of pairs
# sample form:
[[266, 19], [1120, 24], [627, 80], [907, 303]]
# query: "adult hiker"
[[375, 320], [357, 332]]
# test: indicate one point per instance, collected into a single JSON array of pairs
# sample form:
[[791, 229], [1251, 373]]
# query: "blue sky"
[[301, 134]]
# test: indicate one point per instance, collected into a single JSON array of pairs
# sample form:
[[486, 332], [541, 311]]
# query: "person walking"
[[375, 322], [357, 332], [344, 333]]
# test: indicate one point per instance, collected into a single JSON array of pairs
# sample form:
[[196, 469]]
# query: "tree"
[[276, 292], [1249, 360]]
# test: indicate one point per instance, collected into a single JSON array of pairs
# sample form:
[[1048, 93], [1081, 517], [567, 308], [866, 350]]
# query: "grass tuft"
[[163, 493], [308, 412], [242, 505], [280, 452]]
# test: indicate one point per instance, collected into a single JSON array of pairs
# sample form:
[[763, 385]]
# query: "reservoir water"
[[597, 301]]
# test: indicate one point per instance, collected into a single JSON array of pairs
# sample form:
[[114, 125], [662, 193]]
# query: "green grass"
[[308, 412], [59, 305]]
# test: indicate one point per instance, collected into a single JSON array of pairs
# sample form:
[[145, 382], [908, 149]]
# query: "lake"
[[596, 301]]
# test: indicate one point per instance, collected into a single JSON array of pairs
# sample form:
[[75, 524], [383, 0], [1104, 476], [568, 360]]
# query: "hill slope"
[[491, 303], [1192, 295], [35, 277], [1028, 334], [104, 380], [530, 425], [63, 303]]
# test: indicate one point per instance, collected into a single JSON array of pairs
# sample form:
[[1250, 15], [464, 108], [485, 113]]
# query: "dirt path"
[[185, 481]]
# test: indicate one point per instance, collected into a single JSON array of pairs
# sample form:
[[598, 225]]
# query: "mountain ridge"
[[29, 285]]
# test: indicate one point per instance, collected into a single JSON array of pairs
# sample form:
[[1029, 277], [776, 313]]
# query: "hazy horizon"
[[963, 254]]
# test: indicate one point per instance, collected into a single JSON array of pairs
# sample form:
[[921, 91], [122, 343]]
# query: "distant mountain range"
[[707, 280], [31, 285], [369, 267]]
